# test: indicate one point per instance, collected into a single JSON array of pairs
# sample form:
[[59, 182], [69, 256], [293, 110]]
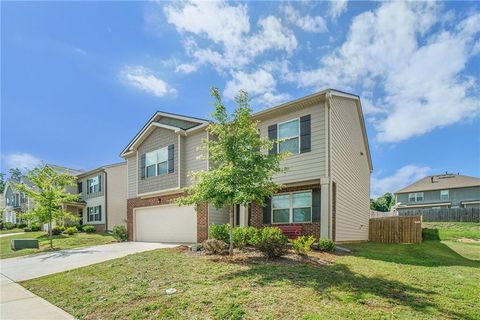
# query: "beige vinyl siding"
[[116, 195], [218, 216], [350, 171], [192, 146], [132, 176], [303, 166], [85, 195], [159, 138], [93, 202]]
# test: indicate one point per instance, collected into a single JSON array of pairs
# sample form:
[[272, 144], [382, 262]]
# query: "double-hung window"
[[289, 136], [93, 184], [292, 207], [94, 214], [415, 197], [444, 194], [156, 162]]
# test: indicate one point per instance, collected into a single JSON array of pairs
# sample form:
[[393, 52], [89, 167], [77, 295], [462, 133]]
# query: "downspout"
[[329, 161]]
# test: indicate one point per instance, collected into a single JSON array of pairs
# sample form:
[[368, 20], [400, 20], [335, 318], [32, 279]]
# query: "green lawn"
[[15, 230], [454, 230], [427, 281], [59, 242]]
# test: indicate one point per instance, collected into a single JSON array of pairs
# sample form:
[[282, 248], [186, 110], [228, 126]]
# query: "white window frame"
[[94, 212], [156, 163], [292, 137], [416, 196], [443, 193], [91, 187], [291, 207]]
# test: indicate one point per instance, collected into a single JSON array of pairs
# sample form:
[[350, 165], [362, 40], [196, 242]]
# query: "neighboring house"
[[327, 185], [440, 191], [103, 193]]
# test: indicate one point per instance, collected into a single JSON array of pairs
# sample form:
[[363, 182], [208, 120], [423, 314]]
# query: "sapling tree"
[[48, 191], [241, 169]]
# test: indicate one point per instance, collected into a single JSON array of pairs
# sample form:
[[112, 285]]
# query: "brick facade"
[[202, 213], [256, 218]]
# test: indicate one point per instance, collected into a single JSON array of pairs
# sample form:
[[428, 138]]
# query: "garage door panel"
[[166, 224]]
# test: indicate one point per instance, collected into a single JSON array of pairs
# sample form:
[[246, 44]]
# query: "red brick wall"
[[202, 213], [307, 228]]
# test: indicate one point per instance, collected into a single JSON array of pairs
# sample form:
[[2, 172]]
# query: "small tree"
[[2, 182], [48, 192], [15, 174], [383, 203], [241, 170]]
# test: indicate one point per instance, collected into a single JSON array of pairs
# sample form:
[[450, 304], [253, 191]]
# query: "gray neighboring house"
[[326, 189], [440, 191]]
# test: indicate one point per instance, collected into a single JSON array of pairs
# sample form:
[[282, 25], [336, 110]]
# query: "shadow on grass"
[[337, 281], [428, 254]]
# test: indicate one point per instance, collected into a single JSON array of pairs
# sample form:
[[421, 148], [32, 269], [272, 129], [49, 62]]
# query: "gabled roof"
[[178, 123], [102, 168], [61, 169], [441, 182]]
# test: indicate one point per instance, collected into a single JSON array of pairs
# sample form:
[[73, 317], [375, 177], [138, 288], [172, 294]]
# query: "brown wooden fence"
[[444, 214], [396, 230]]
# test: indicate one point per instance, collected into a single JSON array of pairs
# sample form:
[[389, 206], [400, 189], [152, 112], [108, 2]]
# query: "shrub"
[[57, 230], [326, 245], [303, 244], [243, 236], [220, 232], [215, 246], [27, 229], [120, 233], [8, 225], [35, 227], [430, 234], [89, 229], [21, 225], [271, 242], [71, 230]]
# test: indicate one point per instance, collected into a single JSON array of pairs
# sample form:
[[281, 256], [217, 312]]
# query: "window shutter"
[[267, 210], [99, 183], [99, 213], [142, 166], [171, 164], [80, 187], [88, 214], [316, 205], [272, 135], [305, 134], [88, 185]]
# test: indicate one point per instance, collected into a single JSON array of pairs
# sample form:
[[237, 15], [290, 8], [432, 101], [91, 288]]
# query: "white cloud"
[[260, 85], [337, 7], [416, 68], [305, 22], [21, 161], [400, 179], [144, 79]]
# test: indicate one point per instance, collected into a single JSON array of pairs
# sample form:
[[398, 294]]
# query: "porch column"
[[325, 208]]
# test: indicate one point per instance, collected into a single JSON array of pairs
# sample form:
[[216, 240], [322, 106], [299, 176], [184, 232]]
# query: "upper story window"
[[415, 197], [444, 194], [93, 184], [292, 207], [156, 162], [289, 132]]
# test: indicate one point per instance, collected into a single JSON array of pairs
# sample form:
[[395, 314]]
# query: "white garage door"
[[166, 224]]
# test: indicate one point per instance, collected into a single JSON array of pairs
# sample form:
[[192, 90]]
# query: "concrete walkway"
[[11, 234], [17, 303]]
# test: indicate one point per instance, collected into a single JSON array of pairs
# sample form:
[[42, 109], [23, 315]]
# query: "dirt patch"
[[253, 256], [469, 240]]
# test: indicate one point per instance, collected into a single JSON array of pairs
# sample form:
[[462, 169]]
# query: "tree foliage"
[[48, 191], [2, 182], [15, 174], [241, 169], [383, 203]]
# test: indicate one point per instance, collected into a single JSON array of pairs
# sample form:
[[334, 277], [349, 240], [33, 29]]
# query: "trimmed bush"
[[21, 225], [27, 229], [89, 229], [219, 232], [120, 233], [303, 244], [35, 227], [244, 236], [57, 230], [8, 225], [71, 230], [214, 246], [326, 245], [271, 242]]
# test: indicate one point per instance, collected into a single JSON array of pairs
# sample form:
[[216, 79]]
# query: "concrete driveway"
[[37, 265]]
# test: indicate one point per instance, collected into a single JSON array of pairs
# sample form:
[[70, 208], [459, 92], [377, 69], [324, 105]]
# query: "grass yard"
[[427, 281], [59, 242], [15, 230]]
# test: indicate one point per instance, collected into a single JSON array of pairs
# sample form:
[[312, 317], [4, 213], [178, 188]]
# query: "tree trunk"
[[50, 233], [232, 215]]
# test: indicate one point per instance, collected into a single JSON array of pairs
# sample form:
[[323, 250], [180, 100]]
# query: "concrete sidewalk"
[[11, 234], [17, 303]]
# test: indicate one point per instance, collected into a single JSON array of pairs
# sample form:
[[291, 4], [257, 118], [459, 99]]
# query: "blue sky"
[[80, 79]]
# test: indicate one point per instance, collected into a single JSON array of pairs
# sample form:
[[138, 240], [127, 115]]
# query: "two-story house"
[[326, 188], [440, 191]]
